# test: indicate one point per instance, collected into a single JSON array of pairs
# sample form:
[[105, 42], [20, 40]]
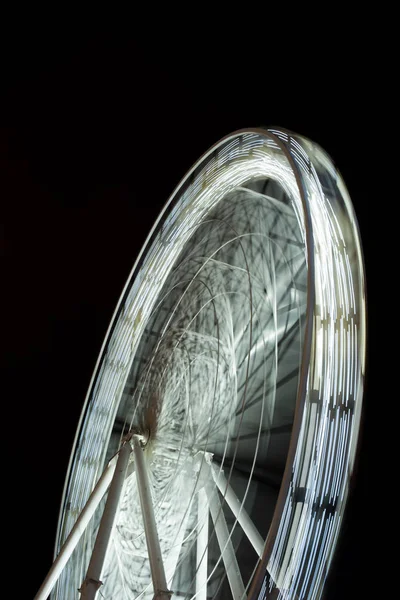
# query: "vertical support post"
[[92, 581], [76, 532], [202, 545], [238, 510], [150, 528], [226, 546]]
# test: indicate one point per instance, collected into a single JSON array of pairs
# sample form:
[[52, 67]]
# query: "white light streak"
[[221, 326]]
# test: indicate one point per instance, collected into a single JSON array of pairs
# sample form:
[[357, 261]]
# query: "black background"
[[97, 128]]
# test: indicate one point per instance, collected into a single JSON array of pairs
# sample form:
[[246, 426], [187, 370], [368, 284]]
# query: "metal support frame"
[[225, 544], [77, 531], [92, 582], [208, 500], [238, 510], [202, 545], [161, 591]]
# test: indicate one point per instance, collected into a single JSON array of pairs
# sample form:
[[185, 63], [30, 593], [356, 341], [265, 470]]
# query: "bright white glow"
[[228, 272], [325, 471]]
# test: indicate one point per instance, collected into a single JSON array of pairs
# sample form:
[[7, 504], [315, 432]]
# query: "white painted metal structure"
[[237, 352]]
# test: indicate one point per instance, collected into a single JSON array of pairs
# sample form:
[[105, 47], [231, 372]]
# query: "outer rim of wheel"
[[305, 360]]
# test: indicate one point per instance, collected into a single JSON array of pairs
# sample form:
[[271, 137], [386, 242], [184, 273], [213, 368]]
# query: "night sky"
[[96, 130]]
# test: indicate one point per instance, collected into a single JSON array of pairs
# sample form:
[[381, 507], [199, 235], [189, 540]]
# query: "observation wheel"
[[218, 436]]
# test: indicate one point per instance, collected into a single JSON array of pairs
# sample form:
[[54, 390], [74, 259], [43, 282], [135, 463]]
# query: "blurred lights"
[[323, 462]]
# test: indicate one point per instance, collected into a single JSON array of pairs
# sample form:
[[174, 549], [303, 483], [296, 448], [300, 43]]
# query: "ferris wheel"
[[217, 440]]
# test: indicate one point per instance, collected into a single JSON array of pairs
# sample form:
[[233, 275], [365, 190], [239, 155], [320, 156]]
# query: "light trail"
[[244, 315]]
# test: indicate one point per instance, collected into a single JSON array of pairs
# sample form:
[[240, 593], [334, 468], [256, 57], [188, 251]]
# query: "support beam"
[[153, 544], [92, 581], [238, 510], [76, 531], [225, 544], [202, 545]]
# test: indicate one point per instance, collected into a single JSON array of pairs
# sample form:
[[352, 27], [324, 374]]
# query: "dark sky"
[[96, 130]]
